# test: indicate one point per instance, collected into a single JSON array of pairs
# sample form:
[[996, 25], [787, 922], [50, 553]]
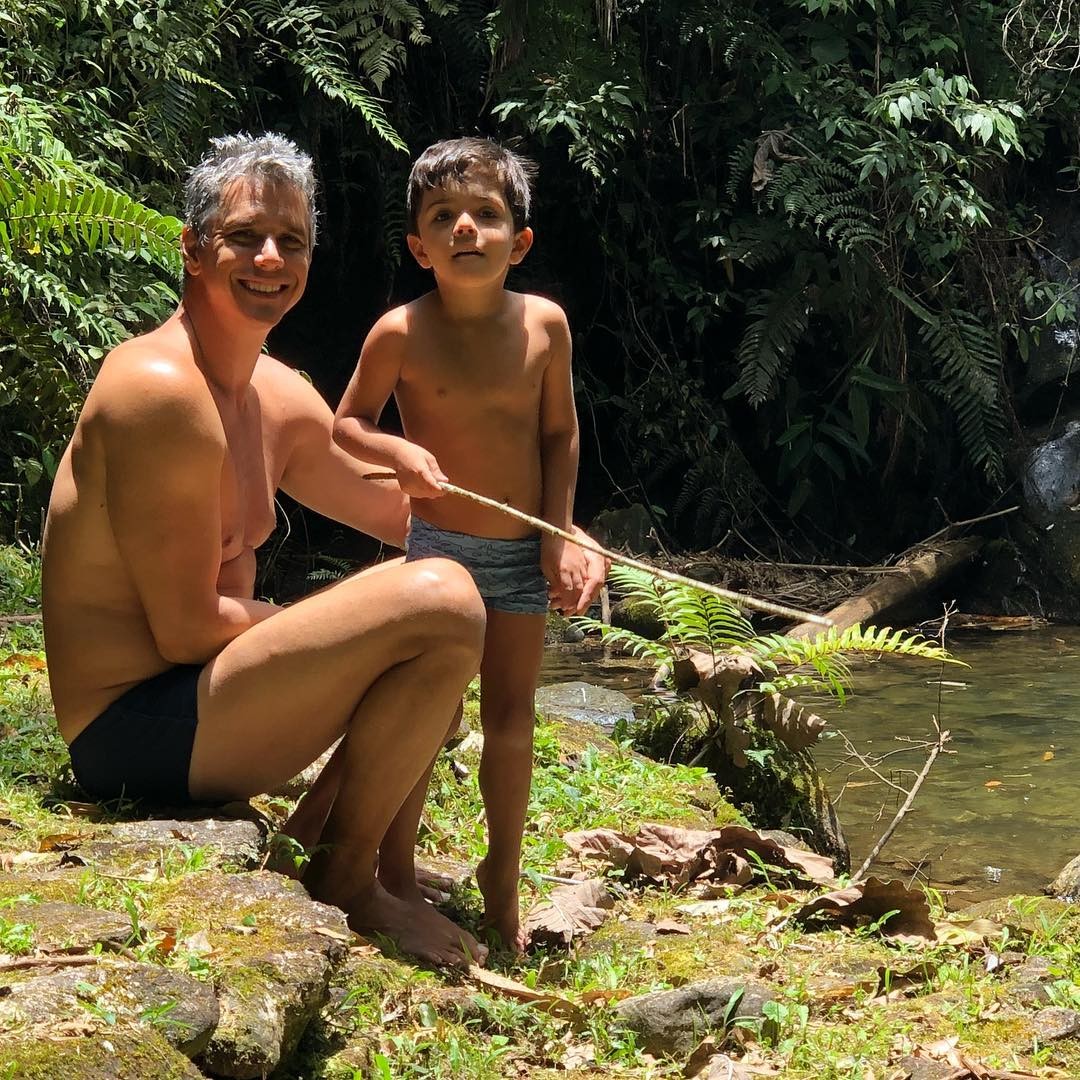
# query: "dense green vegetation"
[[801, 241]]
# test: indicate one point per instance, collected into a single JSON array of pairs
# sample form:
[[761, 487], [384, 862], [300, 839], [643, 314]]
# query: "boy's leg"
[[381, 658], [397, 852], [513, 649]]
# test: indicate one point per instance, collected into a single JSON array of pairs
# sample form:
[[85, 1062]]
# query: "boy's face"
[[466, 234]]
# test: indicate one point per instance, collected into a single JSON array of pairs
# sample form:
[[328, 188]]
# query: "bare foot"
[[501, 906], [415, 927]]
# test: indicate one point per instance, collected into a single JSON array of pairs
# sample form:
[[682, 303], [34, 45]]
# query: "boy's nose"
[[464, 225], [268, 255]]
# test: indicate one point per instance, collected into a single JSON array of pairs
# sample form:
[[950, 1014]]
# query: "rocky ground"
[[670, 939]]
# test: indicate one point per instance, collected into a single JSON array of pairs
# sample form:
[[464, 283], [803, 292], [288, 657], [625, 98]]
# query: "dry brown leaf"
[[570, 911], [793, 724], [505, 987], [1048, 756], [26, 660], [872, 900], [590, 997], [671, 926], [605, 844], [58, 841], [992, 784]]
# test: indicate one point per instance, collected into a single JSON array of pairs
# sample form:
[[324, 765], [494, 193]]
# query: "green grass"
[[20, 580]]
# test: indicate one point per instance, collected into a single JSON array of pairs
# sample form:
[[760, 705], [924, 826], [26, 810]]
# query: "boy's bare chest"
[[506, 367]]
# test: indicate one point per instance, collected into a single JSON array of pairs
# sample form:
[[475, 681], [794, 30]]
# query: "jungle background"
[[808, 248]]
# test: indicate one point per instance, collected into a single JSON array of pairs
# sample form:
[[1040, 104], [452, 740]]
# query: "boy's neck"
[[467, 305]]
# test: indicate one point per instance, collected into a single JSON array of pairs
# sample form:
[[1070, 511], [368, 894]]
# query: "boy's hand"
[[566, 570], [418, 473]]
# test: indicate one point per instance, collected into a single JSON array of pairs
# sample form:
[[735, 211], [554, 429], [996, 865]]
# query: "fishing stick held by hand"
[[588, 544]]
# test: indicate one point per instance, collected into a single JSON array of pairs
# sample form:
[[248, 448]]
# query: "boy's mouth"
[[461, 254]]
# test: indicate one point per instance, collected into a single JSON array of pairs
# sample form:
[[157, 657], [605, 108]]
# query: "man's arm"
[[164, 450], [356, 425], [321, 475]]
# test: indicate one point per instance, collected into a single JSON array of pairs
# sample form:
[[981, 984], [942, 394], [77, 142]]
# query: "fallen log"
[[921, 568]]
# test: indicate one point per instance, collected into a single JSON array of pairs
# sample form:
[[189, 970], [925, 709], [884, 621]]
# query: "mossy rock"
[[781, 789], [109, 1055]]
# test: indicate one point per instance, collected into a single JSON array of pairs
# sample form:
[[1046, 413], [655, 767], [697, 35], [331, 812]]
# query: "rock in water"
[[582, 702], [1066, 886]]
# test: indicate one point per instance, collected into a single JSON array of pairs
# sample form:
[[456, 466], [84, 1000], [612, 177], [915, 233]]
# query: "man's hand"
[[418, 473]]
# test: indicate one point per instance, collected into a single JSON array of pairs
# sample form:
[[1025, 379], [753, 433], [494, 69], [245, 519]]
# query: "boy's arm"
[[563, 564], [356, 423]]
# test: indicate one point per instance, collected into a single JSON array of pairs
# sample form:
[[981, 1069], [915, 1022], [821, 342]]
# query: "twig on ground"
[[47, 961], [740, 599]]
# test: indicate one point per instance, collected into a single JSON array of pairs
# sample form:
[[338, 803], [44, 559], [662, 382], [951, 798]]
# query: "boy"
[[482, 381]]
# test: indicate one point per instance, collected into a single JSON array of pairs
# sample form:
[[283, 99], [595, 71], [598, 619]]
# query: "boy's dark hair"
[[450, 162]]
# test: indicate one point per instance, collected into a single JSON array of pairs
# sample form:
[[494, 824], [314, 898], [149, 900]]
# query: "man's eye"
[[242, 236], [488, 213]]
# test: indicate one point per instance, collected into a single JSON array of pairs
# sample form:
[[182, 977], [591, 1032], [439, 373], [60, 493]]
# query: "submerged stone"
[[582, 702]]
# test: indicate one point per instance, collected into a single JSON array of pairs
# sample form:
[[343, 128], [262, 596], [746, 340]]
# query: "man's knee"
[[447, 588]]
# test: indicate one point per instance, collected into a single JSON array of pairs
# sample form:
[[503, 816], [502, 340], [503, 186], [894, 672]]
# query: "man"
[[169, 680]]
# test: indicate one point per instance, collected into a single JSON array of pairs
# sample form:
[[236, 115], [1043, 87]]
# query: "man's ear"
[[522, 242], [416, 246], [189, 250]]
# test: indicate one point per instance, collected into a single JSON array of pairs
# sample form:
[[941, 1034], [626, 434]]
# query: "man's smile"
[[264, 288]]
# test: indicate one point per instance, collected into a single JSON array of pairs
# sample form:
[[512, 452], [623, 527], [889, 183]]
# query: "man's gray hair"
[[269, 157]]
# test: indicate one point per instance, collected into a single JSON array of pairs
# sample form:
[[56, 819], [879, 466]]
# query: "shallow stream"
[[1000, 815]]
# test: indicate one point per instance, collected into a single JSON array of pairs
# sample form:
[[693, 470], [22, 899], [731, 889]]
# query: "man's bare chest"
[[248, 483]]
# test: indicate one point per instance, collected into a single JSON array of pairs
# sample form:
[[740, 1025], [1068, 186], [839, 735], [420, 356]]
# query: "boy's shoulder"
[[542, 308]]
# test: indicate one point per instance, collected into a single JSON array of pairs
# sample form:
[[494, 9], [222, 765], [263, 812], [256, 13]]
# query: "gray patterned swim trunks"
[[506, 572]]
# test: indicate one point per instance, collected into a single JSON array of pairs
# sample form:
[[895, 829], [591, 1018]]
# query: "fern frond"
[[780, 318]]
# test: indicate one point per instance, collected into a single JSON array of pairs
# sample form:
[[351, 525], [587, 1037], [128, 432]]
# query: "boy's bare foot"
[[501, 906], [415, 927]]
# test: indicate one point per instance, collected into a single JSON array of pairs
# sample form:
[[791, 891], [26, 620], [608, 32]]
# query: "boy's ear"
[[189, 246], [522, 242], [416, 246]]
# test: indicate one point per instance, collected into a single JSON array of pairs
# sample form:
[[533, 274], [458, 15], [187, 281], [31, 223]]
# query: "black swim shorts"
[[140, 746]]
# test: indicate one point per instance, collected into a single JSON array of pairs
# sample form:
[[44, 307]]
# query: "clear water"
[[1017, 703]]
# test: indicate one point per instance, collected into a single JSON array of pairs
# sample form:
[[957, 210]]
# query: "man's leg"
[[397, 852], [513, 649], [383, 659]]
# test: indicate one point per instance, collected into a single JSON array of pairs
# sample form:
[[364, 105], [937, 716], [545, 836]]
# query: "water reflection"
[[997, 816]]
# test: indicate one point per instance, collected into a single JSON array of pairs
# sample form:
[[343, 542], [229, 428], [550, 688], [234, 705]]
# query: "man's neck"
[[225, 353]]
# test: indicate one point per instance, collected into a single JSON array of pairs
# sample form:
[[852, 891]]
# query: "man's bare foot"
[[501, 906], [415, 927]]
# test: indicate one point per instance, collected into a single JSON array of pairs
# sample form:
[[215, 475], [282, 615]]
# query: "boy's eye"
[[442, 215]]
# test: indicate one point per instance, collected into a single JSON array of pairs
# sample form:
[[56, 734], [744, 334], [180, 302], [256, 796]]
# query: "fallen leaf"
[[26, 660], [1048, 756], [590, 997], [671, 926], [992, 783], [198, 943], [544, 1001], [58, 841], [870, 901], [569, 912]]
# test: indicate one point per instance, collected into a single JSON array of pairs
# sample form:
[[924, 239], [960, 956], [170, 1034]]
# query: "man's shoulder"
[[150, 374]]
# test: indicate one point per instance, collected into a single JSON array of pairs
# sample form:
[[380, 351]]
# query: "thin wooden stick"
[[886, 836], [739, 599], [968, 521]]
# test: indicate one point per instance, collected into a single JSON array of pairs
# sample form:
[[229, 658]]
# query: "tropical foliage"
[[802, 242]]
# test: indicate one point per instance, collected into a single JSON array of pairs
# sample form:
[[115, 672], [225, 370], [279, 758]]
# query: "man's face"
[[258, 250], [466, 233]]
